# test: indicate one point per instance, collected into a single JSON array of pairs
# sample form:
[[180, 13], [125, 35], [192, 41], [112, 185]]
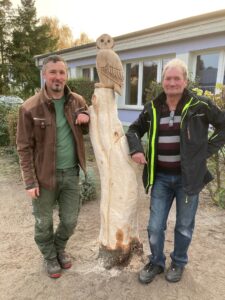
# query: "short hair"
[[54, 59], [176, 63]]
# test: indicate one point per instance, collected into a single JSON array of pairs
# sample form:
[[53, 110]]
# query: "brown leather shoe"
[[64, 260]]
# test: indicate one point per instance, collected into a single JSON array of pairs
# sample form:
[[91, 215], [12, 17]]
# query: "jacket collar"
[[186, 96], [48, 100]]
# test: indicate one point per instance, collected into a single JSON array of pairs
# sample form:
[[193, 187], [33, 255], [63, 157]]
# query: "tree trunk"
[[119, 181]]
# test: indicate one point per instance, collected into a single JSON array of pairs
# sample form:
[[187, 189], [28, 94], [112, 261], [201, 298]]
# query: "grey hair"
[[54, 59], [176, 63]]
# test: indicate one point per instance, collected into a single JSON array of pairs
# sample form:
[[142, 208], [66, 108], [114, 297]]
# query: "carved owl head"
[[104, 42]]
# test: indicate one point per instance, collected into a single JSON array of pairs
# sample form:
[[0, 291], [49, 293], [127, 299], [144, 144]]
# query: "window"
[[141, 80], [206, 70], [131, 83], [96, 79], [69, 73], [86, 73], [224, 76], [164, 62], [149, 75]]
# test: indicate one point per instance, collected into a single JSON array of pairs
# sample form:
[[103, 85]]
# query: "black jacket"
[[195, 146]]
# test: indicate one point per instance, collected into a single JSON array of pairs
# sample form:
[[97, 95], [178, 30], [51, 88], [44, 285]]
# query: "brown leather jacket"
[[36, 137]]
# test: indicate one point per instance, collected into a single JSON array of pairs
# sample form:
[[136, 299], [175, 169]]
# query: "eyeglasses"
[[171, 119]]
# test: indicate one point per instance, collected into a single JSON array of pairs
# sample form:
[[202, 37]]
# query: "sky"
[[118, 17]]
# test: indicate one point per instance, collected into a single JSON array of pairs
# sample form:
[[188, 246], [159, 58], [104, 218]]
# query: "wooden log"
[[118, 235]]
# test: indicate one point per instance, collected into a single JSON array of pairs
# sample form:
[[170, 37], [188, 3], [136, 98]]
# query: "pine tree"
[[28, 39], [6, 15]]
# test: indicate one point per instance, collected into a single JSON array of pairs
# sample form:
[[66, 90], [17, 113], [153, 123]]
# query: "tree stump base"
[[119, 257]]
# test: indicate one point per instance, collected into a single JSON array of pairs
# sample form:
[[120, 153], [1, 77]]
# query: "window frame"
[[91, 69], [221, 63], [140, 62]]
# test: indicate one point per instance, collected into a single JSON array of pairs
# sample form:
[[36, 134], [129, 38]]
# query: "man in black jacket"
[[177, 123]]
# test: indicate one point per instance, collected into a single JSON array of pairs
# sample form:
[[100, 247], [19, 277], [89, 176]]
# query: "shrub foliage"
[[82, 86]]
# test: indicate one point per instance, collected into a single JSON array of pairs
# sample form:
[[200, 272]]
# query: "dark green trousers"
[[65, 197]]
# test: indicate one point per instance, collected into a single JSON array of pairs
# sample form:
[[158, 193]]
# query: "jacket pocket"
[[197, 130], [41, 128]]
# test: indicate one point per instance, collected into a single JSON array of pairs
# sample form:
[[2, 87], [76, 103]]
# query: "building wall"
[[199, 41]]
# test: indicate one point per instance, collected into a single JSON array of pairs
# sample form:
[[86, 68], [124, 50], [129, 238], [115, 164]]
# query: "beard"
[[56, 88]]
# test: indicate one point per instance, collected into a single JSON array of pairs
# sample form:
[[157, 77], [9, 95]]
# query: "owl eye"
[[102, 41], [108, 41]]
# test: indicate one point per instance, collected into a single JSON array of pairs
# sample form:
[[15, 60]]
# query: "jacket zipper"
[[151, 160]]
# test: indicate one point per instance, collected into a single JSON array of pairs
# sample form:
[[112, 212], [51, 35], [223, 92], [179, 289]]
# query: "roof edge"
[[170, 25]]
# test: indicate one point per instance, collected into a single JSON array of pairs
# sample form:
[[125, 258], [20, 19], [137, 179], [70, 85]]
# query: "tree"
[[62, 34], [6, 13], [28, 39], [84, 39]]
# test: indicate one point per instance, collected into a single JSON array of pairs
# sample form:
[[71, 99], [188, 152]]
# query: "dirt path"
[[22, 275]]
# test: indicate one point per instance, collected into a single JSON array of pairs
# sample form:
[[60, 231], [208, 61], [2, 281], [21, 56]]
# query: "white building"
[[198, 40]]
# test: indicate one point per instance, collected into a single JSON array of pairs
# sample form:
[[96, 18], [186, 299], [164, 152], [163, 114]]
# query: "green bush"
[[8, 117], [83, 87], [4, 133], [154, 89], [216, 188], [88, 186], [12, 118], [216, 163]]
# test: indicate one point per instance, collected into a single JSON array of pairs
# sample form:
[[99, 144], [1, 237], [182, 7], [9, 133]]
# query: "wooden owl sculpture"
[[108, 64]]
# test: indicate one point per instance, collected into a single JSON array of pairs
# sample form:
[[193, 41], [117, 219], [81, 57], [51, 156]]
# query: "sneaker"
[[64, 260], [53, 268], [174, 273], [149, 272]]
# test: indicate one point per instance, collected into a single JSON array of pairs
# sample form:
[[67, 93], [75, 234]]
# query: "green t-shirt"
[[65, 144]]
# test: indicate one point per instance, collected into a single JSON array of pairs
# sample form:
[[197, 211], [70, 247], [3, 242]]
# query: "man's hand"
[[33, 193], [139, 158], [82, 119]]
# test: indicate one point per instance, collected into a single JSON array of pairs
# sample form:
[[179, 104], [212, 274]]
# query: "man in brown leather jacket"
[[51, 150]]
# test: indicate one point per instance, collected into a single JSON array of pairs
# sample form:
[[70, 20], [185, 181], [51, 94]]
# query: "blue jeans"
[[165, 189]]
